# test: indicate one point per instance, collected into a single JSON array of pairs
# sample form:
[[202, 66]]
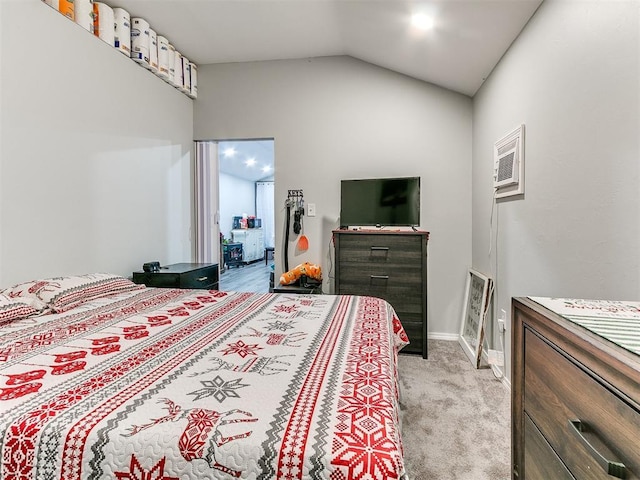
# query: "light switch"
[[311, 209]]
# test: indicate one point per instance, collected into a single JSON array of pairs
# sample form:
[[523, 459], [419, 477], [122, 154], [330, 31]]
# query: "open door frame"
[[206, 203]]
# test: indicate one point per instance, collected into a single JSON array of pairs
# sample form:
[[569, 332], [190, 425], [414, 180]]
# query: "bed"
[[102, 378]]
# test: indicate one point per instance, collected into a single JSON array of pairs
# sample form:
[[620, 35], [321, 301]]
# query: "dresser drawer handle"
[[380, 277], [613, 468], [386, 249], [202, 279]]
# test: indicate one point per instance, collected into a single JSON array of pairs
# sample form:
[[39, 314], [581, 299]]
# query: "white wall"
[[95, 153], [237, 197], [337, 117], [572, 78]]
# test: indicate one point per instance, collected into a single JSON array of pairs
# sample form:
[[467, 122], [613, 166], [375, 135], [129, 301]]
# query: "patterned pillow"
[[27, 292], [63, 293], [14, 309]]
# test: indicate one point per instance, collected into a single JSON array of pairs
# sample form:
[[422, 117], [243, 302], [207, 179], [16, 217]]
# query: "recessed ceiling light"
[[250, 162], [266, 168], [229, 152], [422, 21]]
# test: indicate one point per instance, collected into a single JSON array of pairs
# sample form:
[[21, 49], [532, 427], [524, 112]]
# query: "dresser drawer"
[[200, 278], [414, 332], [389, 250], [557, 391], [405, 286], [541, 462], [377, 276]]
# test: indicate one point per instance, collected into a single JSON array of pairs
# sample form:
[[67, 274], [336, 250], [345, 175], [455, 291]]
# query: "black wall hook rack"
[[295, 198]]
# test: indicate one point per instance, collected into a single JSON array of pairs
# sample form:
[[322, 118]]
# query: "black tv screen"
[[380, 202]]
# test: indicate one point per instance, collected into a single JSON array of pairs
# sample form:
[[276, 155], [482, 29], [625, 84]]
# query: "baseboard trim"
[[452, 337], [499, 371]]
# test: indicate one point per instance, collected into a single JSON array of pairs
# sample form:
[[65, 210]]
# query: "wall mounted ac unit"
[[509, 162]]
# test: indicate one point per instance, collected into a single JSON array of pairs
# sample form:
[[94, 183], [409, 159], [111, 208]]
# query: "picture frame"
[[478, 291]]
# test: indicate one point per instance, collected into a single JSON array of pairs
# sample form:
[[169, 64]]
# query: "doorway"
[[245, 214]]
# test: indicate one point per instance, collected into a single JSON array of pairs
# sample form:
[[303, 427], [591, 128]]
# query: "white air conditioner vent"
[[508, 159], [508, 147], [505, 168]]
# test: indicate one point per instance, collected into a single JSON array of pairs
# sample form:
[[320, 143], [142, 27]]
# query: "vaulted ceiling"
[[466, 41]]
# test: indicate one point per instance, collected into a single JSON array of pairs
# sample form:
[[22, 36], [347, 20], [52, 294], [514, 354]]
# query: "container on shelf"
[[153, 50], [193, 92], [163, 57], [65, 7], [178, 72], [122, 33], [52, 4], [140, 41], [83, 14], [103, 22], [186, 75], [133, 37], [172, 64]]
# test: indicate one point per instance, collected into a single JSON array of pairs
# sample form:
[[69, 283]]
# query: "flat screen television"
[[380, 202]]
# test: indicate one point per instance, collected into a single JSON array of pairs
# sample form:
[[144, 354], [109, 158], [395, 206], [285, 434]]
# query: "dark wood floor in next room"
[[249, 278]]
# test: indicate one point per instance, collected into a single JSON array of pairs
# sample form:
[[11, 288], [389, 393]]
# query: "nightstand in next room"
[[181, 275]]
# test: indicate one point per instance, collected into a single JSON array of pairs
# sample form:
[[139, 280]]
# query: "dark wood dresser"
[[181, 275], [391, 265], [575, 389]]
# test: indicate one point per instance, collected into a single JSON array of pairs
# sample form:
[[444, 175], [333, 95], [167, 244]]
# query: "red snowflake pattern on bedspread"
[[136, 472], [364, 447]]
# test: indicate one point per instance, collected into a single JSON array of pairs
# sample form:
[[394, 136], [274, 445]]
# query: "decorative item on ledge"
[[135, 38]]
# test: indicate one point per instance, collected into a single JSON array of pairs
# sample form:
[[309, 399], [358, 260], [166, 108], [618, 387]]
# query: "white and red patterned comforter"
[[162, 384]]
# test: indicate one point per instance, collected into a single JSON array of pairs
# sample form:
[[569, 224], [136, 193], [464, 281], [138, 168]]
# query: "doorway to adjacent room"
[[241, 211]]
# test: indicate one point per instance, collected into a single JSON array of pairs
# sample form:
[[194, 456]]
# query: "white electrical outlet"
[[311, 209], [502, 321]]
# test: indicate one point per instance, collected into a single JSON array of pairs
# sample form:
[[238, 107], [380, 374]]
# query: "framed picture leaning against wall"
[[477, 298]]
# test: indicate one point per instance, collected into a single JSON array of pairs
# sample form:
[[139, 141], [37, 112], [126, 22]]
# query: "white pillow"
[[14, 309], [63, 293]]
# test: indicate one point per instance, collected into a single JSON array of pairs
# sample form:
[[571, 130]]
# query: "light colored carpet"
[[456, 419]]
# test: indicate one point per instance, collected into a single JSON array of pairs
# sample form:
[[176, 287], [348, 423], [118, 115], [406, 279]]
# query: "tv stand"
[[391, 265]]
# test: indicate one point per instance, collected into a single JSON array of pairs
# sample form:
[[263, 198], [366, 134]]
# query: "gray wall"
[[334, 118], [95, 153], [572, 78]]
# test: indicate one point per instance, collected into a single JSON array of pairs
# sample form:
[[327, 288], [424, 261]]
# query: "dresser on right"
[[575, 389], [391, 265]]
